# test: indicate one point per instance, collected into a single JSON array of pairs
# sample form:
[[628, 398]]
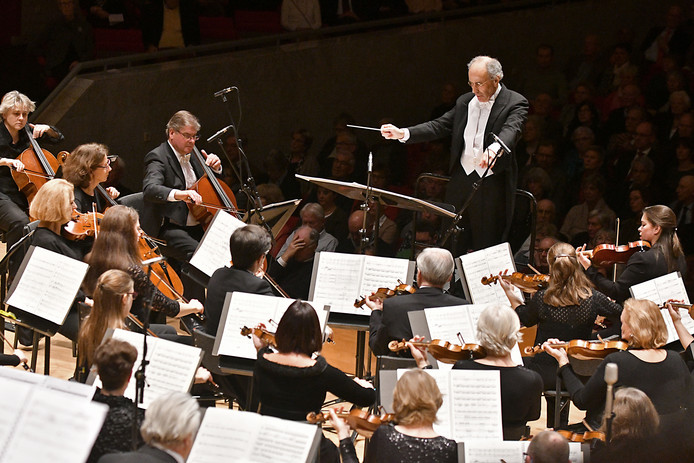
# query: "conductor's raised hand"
[[390, 132]]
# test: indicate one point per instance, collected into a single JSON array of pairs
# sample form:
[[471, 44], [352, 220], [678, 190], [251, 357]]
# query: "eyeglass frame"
[[188, 137]]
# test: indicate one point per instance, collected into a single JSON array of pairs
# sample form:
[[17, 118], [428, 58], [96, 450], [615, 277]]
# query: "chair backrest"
[[205, 342], [135, 200]]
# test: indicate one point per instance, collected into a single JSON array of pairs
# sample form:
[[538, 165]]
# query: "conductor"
[[489, 107]]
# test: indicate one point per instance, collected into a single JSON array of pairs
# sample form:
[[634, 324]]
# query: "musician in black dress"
[[498, 332], [658, 227], [416, 399], [293, 379], [14, 110], [86, 167]]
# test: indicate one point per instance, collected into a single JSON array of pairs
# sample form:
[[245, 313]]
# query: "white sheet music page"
[[338, 281], [471, 406], [249, 310], [55, 427], [477, 451], [661, 290], [382, 272], [12, 409], [485, 263], [47, 284], [250, 437], [171, 366], [213, 251]]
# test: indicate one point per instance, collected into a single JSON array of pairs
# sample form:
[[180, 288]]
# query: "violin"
[[679, 305], [263, 334], [39, 167], [608, 254], [579, 348], [526, 283], [82, 225], [360, 421], [585, 437], [215, 194], [385, 293], [444, 351]]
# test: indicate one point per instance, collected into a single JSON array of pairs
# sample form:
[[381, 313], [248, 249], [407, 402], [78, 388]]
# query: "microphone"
[[500, 141], [219, 133], [611, 375], [371, 162], [224, 91], [154, 260]]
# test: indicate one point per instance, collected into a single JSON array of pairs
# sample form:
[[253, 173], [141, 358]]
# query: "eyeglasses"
[[108, 164], [134, 294], [190, 137], [477, 84]]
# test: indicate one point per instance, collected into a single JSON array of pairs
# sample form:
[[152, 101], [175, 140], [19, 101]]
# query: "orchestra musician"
[[14, 110], [416, 400], [52, 207], [116, 247], [249, 245], [389, 320], [565, 310], [658, 227], [170, 172], [114, 360], [498, 332], [292, 381], [86, 167], [661, 374]]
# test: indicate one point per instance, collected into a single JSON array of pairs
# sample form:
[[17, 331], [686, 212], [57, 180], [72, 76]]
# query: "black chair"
[[135, 200]]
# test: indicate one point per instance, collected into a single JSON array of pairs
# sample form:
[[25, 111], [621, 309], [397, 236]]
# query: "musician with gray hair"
[[389, 320], [169, 429], [489, 108]]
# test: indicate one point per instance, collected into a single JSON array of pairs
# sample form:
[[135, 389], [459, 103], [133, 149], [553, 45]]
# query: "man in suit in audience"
[[292, 271], [389, 320], [248, 245], [312, 214], [169, 429]]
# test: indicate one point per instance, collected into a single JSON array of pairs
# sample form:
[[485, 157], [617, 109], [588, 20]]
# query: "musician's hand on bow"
[[15, 164], [559, 354], [189, 196], [202, 376], [363, 383], [374, 304], [419, 352], [187, 308], [213, 161], [340, 425], [22, 356], [112, 192], [583, 258], [390, 132], [39, 129]]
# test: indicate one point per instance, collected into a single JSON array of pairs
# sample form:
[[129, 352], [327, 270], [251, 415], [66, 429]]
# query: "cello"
[[39, 167], [215, 194]]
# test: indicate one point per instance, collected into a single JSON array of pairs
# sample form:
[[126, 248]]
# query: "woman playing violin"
[[665, 255], [416, 400], [497, 332], [116, 248], [565, 310], [661, 374], [294, 380], [14, 111], [86, 167]]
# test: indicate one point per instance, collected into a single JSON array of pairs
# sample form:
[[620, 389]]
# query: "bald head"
[[548, 447]]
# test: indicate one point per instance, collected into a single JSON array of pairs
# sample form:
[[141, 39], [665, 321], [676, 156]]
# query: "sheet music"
[[85, 391], [11, 409], [171, 366], [213, 251], [339, 279], [471, 406], [662, 289], [251, 437], [55, 427], [446, 322], [508, 451], [245, 309], [46, 284], [483, 263]]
